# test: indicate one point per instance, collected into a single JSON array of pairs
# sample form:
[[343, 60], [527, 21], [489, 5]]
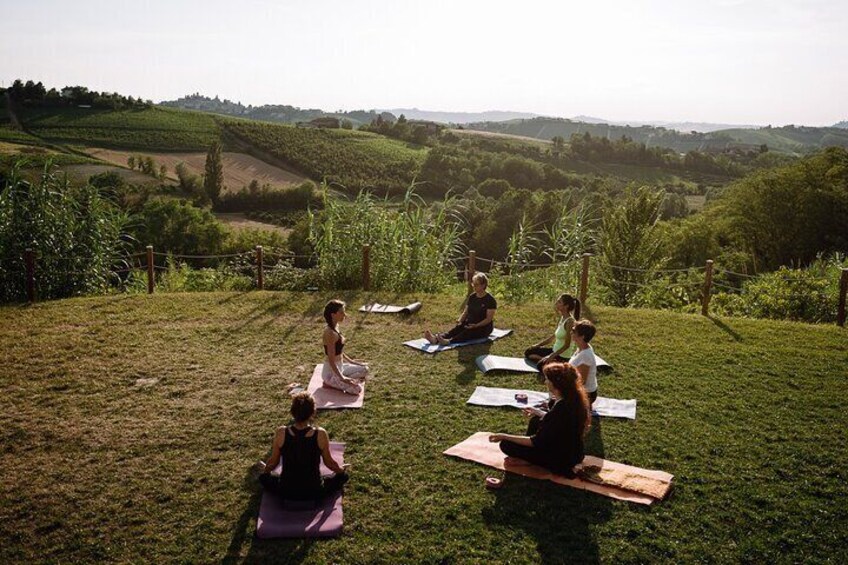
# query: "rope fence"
[[463, 268]]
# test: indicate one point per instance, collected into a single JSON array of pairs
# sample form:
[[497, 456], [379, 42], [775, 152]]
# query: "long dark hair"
[[573, 305], [331, 308], [567, 381]]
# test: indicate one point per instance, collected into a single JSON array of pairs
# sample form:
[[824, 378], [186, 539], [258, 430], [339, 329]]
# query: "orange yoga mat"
[[615, 480]]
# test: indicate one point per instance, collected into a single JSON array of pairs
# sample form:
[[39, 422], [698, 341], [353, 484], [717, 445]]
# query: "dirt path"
[[239, 169]]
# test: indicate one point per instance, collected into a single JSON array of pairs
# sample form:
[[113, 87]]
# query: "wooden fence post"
[[584, 278], [708, 285], [472, 268], [260, 268], [149, 269], [366, 267], [843, 290], [29, 258]]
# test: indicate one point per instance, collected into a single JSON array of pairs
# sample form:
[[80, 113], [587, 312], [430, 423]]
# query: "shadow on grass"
[[725, 328], [559, 518], [466, 358], [261, 551]]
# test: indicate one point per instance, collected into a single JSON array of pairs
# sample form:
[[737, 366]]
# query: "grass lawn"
[[129, 424]]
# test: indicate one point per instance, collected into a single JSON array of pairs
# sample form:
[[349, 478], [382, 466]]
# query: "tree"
[[131, 162], [558, 145], [213, 182]]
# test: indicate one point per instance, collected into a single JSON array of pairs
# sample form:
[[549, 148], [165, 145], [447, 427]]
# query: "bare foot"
[[442, 341], [428, 335]]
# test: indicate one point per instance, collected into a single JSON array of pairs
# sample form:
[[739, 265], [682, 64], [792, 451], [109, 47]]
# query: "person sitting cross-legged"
[[476, 320], [554, 438], [301, 447]]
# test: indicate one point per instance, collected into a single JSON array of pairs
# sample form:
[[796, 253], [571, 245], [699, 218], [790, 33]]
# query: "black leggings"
[[461, 332], [329, 485], [541, 352]]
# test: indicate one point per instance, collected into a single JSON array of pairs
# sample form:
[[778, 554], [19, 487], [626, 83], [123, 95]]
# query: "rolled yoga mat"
[[425, 346], [277, 521], [378, 308]]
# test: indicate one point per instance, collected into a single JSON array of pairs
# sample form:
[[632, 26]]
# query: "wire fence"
[[692, 287]]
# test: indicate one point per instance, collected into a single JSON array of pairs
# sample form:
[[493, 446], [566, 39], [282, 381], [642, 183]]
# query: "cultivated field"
[[129, 425], [239, 169], [239, 221]]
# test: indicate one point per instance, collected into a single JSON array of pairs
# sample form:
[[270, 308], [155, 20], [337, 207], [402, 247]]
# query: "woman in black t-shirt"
[[477, 319], [554, 438]]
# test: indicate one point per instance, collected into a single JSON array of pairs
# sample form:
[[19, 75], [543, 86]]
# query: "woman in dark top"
[[301, 447], [554, 439], [340, 371], [477, 319]]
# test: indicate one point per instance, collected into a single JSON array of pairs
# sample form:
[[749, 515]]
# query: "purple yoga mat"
[[324, 521]]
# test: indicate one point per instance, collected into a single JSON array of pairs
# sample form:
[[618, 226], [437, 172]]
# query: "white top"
[[587, 357]]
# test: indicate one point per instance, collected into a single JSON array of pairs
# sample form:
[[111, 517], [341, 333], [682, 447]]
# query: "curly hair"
[[567, 381], [302, 406]]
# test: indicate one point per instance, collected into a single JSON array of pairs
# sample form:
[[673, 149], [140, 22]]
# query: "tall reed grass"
[[412, 247]]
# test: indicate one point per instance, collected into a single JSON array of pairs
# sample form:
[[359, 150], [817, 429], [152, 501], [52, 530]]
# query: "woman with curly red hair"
[[554, 438]]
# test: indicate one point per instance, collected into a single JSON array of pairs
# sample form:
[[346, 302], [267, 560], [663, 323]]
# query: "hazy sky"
[[730, 61]]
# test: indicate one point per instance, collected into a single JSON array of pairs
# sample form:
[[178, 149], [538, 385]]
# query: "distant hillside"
[[841, 125], [787, 139], [460, 117], [700, 127], [148, 128], [270, 112]]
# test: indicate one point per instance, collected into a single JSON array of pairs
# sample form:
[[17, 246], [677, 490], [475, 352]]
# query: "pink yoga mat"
[[651, 485], [325, 521], [331, 398]]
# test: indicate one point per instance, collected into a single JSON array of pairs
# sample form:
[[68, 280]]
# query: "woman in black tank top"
[[301, 447]]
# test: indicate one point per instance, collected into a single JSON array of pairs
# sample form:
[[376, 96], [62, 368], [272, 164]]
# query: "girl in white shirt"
[[583, 359]]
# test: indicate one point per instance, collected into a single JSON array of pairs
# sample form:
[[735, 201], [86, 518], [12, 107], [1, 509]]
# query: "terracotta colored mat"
[[331, 398], [615, 480], [277, 521]]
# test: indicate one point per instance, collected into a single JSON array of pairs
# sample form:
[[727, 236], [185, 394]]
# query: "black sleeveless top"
[[339, 343], [301, 462]]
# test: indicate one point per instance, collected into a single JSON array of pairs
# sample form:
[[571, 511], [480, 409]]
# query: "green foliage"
[[74, 232], [266, 198], [350, 160], [792, 213], [173, 226], [213, 181], [411, 249], [809, 295], [630, 246]]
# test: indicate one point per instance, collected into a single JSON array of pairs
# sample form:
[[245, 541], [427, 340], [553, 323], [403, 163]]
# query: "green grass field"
[[150, 128], [129, 424]]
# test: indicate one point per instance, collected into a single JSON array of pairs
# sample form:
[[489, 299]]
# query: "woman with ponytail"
[[568, 309], [554, 438], [340, 371]]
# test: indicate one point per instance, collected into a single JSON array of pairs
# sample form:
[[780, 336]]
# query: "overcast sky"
[[730, 61]]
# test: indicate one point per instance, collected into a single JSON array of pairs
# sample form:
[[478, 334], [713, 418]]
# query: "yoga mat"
[[425, 346], [491, 396], [621, 482], [276, 521], [488, 363], [378, 308], [332, 398]]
